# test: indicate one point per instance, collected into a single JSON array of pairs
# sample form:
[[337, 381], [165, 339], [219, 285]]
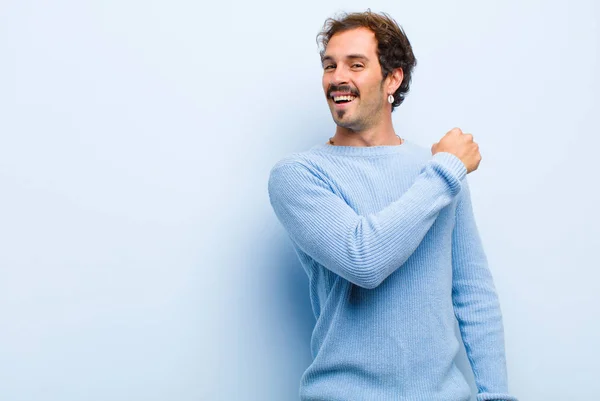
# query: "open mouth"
[[343, 99]]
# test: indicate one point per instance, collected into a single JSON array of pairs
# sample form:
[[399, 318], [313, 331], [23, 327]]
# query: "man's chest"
[[370, 188]]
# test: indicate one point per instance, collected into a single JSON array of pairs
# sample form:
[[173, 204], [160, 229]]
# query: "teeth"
[[340, 98]]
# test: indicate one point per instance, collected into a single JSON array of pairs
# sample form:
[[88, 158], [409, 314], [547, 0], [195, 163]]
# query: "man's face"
[[352, 79]]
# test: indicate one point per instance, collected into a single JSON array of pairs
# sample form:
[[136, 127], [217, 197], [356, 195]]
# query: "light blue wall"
[[139, 257]]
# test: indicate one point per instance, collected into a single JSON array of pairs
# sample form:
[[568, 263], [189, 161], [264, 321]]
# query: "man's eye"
[[357, 66], [328, 67]]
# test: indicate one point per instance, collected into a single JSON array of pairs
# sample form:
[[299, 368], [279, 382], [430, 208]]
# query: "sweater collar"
[[364, 151]]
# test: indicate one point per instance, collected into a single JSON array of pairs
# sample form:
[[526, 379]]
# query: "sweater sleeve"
[[476, 306], [362, 249]]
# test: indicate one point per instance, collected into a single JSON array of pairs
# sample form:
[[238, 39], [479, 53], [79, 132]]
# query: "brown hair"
[[393, 47]]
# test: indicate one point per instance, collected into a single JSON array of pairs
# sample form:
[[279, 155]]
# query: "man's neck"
[[379, 135]]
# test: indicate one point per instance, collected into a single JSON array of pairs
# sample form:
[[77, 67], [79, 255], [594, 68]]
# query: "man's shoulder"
[[416, 148], [308, 158], [291, 173]]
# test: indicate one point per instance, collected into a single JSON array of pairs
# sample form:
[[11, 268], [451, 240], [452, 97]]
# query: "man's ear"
[[395, 79]]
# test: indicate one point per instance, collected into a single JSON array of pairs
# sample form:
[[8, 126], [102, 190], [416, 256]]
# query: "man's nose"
[[340, 76]]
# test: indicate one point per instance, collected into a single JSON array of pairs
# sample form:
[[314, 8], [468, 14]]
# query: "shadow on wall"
[[291, 304]]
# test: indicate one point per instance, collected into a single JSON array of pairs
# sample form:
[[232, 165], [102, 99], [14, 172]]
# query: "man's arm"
[[362, 249], [476, 305]]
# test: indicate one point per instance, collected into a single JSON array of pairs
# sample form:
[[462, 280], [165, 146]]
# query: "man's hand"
[[460, 145]]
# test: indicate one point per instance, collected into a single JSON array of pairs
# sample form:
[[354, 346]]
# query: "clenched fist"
[[460, 145]]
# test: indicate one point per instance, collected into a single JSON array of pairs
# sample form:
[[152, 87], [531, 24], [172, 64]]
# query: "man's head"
[[366, 57]]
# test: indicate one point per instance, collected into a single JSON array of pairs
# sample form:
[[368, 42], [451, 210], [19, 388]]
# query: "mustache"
[[341, 88]]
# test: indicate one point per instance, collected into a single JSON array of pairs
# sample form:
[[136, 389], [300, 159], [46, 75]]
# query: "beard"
[[365, 113], [339, 114], [362, 117], [348, 123]]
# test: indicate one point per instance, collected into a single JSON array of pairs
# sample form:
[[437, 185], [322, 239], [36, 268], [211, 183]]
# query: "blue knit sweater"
[[388, 239]]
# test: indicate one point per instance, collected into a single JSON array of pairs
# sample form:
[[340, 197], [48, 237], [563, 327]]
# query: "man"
[[386, 233]]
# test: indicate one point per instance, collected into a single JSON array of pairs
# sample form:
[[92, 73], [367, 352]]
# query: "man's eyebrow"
[[349, 57], [359, 56], [326, 58]]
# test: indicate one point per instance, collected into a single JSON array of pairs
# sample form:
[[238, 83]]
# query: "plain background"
[[139, 257]]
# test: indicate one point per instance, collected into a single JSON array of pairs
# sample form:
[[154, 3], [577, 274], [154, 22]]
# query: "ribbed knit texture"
[[388, 239]]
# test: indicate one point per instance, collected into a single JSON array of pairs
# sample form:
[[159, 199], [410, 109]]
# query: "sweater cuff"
[[495, 397], [451, 168]]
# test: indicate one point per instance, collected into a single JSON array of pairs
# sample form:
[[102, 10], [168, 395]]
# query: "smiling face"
[[352, 80]]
